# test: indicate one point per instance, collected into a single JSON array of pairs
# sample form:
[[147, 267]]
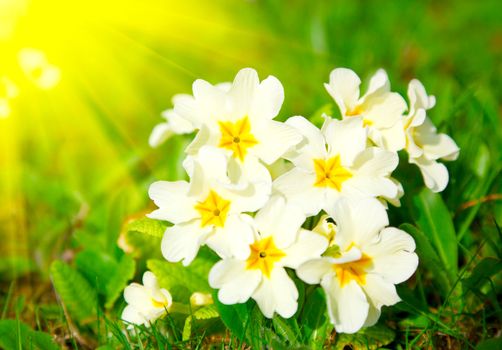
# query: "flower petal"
[[344, 88], [435, 145], [375, 162], [298, 188], [160, 133], [309, 245], [311, 147], [280, 220], [346, 138], [209, 99], [178, 124], [379, 83], [131, 315], [268, 99], [348, 213], [418, 97], [275, 139], [379, 291], [435, 174], [393, 138], [173, 201], [138, 296], [244, 88], [314, 270], [393, 255], [182, 242], [347, 305], [235, 282], [384, 110], [150, 281], [277, 294], [233, 239]]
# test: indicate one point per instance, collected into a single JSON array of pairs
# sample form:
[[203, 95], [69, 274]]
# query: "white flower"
[[380, 108], [8, 91], [208, 209], [334, 162], [279, 243], [359, 276], [423, 144], [146, 302], [239, 119], [174, 125], [37, 68]]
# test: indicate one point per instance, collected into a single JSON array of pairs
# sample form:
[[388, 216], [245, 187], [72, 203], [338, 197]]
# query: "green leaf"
[[107, 275], [17, 335], [315, 323], [147, 226], [370, 338], [283, 329], [124, 271], [429, 259], [435, 221], [182, 281], [142, 245], [96, 267], [204, 313], [482, 273], [74, 291], [490, 344], [235, 317]]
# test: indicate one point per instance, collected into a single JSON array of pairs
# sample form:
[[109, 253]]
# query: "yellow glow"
[[37, 68], [120, 63], [330, 173], [264, 255], [213, 210], [237, 137]]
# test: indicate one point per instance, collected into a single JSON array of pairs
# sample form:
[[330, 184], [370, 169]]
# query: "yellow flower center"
[[330, 173], [264, 254], [237, 137], [213, 210], [159, 304], [353, 271], [357, 110]]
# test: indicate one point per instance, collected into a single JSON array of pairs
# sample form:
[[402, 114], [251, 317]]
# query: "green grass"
[[79, 165]]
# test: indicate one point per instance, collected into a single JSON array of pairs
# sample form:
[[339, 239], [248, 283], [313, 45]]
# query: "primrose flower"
[[239, 119], [208, 209], [8, 91], [333, 163], [279, 242], [423, 144], [38, 69], [359, 271], [380, 108], [175, 124], [146, 302]]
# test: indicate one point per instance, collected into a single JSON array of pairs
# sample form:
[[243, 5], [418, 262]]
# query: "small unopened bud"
[[200, 299]]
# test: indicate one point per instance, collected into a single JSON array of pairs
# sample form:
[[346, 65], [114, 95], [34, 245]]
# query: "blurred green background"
[[75, 162]]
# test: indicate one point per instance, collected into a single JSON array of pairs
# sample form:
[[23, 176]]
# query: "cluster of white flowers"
[[254, 181]]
